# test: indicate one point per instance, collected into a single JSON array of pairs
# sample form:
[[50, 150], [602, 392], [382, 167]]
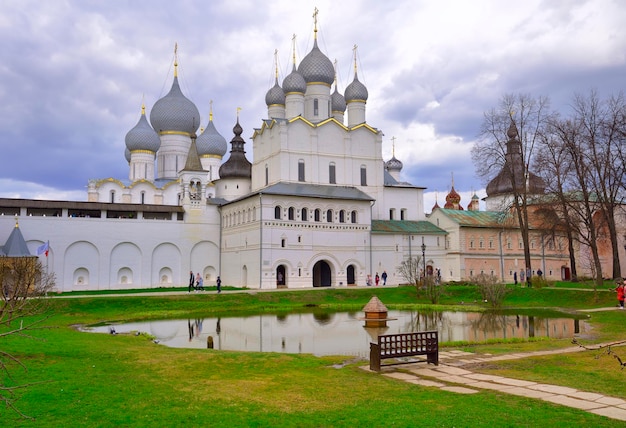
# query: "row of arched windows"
[[318, 215], [239, 217]]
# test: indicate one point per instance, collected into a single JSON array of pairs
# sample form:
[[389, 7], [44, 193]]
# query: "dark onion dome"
[[175, 112], [393, 164], [211, 142], [142, 136], [315, 67], [294, 83], [337, 101], [356, 91], [513, 171], [275, 96], [237, 166]]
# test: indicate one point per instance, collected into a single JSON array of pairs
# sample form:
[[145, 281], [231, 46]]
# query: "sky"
[[74, 73]]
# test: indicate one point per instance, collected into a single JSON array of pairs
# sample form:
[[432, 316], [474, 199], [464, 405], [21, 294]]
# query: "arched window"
[[363, 175], [112, 196], [304, 214], [316, 107], [342, 216], [353, 217], [277, 212], [267, 175], [317, 214], [291, 213], [329, 216]]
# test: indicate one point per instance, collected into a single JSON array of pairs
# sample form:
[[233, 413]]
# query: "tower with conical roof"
[[236, 172], [174, 117], [514, 177]]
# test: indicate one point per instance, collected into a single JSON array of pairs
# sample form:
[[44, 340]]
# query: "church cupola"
[[356, 97], [275, 97], [236, 173], [142, 144], [337, 101], [294, 87], [212, 147], [175, 118], [319, 74]]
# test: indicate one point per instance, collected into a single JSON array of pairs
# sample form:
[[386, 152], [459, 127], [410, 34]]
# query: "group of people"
[[197, 283], [377, 278]]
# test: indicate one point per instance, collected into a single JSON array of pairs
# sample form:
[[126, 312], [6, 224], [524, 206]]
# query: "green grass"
[[96, 380]]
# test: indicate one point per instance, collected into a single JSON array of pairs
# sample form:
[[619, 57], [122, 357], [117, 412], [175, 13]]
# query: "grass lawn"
[[98, 380]]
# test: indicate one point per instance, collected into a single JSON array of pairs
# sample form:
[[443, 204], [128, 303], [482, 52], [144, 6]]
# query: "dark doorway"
[[321, 274], [566, 274], [350, 275], [281, 277]]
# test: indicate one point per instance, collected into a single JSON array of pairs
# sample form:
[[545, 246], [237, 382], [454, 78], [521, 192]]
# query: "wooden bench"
[[405, 345]]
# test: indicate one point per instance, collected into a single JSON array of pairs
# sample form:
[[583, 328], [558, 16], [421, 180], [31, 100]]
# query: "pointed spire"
[[293, 48], [176, 59], [354, 50], [276, 65], [211, 111], [393, 147], [315, 12]]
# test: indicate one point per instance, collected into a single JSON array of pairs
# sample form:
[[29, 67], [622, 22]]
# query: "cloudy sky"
[[74, 73]]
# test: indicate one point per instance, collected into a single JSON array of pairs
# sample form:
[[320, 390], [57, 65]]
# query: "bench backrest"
[[408, 343]]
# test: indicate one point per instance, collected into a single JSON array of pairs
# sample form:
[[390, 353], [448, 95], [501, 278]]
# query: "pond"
[[340, 333]]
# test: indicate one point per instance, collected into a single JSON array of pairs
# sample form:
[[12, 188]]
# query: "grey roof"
[[316, 191], [193, 160], [211, 142], [175, 112], [12, 206], [316, 67], [393, 164], [294, 82], [275, 95], [142, 136], [337, 101], [356, 91], [237, 165], [15, 245]]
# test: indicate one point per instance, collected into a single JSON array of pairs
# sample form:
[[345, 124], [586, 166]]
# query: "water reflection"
[[340, 333]]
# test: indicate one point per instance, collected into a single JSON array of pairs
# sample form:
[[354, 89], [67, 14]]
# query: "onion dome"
[[294, 82], [393, 164], [315, 67], [356, 91], [453, 199], [175, 112], [211, 142], [275, 95], [142, 136], [237, 166], [337, 101]]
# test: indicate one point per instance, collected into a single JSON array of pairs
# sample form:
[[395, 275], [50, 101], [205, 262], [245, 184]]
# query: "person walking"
[[199, 285], [384, 277], [192, 281], [219, 284], [621, 288], [377, 279]]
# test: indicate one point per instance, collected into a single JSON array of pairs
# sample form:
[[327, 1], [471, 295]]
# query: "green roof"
[[479, 218], [406, 227]]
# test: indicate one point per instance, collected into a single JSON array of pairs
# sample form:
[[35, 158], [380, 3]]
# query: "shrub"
[[491, 290]]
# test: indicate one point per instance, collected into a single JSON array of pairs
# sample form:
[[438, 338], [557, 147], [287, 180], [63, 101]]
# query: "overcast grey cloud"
[[74, 73]]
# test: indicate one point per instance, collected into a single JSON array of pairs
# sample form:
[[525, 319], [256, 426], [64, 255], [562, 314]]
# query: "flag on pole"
[[43, 249]]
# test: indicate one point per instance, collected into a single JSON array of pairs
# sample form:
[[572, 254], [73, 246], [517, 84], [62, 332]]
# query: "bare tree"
[[508, 139], [410, 269], [23, 308]]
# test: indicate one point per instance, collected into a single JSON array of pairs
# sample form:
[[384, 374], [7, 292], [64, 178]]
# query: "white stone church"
[[318, 205]]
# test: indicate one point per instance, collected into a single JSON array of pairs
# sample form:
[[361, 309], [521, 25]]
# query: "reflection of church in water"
[[317, 206]]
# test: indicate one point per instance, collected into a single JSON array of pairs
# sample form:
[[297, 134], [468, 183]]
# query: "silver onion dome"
[[275, 96], [316, 67], [337, 101], [175, 112], [142, 136], [211, 142], [294, 82], [356, 91]]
